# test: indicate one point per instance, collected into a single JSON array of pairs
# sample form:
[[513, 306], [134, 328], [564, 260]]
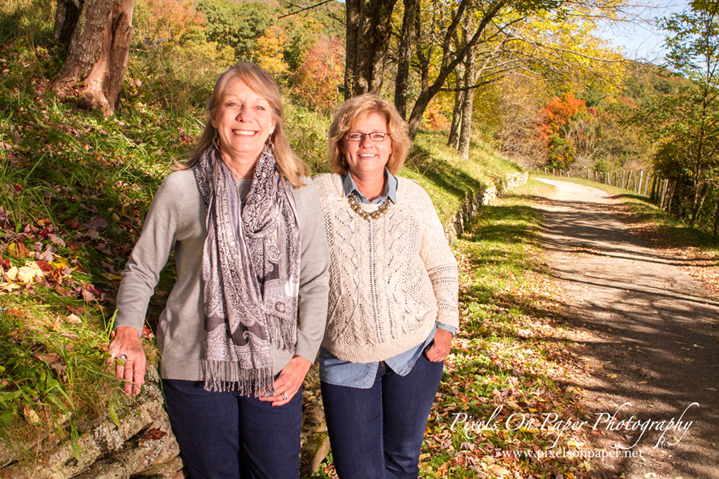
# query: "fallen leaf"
[[612, 376], [9, 286], [154, 434], [147, 333], [88, 295], [73, 319], [30, 415], [29, 272], [689, 360], [61, 291], [11, 274]]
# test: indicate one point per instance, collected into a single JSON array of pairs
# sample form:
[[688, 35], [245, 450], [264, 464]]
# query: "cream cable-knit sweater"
[[391, 279]]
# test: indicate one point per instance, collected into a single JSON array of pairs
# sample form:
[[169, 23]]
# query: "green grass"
[[446, 177], [509, 352]]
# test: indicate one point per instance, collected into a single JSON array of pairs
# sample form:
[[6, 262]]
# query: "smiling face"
[[244, 121], [367, 158]]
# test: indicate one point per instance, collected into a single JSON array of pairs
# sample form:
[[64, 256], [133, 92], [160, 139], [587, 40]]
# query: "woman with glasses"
[[393, 296]]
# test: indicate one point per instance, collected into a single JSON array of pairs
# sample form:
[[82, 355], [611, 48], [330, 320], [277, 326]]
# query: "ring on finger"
[[284, 396], [122, 357]]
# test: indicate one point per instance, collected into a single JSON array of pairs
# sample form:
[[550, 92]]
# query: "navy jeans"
[[377, 433], [223, 436]]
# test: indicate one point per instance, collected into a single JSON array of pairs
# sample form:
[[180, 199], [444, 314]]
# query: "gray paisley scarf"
[[250, 269]]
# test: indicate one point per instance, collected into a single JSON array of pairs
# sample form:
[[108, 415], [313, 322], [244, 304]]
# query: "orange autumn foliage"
[[316, 82]]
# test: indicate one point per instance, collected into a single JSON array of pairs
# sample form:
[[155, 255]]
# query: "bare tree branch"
[[305, 9]]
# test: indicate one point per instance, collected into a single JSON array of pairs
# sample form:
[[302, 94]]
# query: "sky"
[[643, 40]]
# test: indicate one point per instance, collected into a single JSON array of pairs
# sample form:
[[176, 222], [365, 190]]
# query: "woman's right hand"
[[128, 342]]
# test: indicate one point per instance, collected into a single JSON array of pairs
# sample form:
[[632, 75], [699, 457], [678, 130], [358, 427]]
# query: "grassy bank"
[[503, 377]]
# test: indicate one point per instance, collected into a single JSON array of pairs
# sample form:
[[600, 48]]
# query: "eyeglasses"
[[374, 136]]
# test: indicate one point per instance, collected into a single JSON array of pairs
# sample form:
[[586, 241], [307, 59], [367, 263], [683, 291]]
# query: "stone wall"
[[475, 200], [139, 445]]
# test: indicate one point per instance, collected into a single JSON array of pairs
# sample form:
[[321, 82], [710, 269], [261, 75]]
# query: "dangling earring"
[[269, 142], [216, 141]]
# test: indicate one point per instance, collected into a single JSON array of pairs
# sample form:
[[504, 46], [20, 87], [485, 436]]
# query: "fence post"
[[587, 173], [623, 178], [654, 189], [663, 194]]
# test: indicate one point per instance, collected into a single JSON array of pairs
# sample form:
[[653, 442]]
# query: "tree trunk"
[[465, 133], [716, 219], [456, 113], [369, 24], [671, 196], [654, 188], [698, 204], [411, 11], [99, 44]]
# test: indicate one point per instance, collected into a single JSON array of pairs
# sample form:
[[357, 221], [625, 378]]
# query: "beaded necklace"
[[354, 204]]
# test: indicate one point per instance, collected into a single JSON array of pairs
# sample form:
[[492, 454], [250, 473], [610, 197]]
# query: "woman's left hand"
[[289, 381], [441, 346]]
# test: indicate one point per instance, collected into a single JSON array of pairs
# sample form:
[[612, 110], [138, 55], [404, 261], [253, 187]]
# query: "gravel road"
[[646, 333]]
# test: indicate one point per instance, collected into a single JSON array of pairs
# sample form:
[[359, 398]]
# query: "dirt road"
[[648, 335]]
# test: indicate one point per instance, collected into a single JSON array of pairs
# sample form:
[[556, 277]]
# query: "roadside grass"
[[502, 380]]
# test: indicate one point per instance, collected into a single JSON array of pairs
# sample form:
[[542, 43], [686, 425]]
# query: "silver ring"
[[284, 396], [122, 357]]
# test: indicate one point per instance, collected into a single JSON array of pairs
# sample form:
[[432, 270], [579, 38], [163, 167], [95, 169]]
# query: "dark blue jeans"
[[223, 436], [377, 433]]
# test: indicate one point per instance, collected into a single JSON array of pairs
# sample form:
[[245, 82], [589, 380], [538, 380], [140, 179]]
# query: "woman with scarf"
[[245, 226], [393, 296]]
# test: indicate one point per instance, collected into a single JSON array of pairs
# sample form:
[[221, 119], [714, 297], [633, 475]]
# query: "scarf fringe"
[[283, 334], [225, 376]]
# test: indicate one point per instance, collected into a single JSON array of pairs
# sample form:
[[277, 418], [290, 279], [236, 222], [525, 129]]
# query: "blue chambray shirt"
[[362, 375]]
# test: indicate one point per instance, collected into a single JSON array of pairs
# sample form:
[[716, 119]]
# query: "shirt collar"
[[390, 190]]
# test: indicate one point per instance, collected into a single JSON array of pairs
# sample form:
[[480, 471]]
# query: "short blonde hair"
[[359, 108], [262, 83]]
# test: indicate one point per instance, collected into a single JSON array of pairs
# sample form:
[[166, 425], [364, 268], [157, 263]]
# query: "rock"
[[142, 441]]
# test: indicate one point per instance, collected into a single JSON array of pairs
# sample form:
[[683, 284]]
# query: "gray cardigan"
[[176, 222]]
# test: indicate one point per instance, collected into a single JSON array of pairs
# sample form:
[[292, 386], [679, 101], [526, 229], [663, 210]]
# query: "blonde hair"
[[260, 82], [359, 108]]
